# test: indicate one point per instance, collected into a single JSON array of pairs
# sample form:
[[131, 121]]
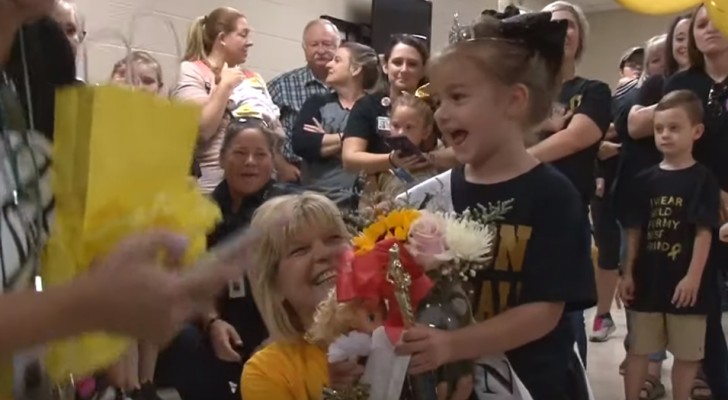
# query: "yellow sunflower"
[[395, 224]]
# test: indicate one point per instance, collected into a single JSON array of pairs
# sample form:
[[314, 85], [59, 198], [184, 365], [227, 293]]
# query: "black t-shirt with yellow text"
[[592, 99], [668, 209], [541, 256]]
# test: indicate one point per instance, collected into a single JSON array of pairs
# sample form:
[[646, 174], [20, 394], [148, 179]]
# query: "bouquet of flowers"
[[406, 266]]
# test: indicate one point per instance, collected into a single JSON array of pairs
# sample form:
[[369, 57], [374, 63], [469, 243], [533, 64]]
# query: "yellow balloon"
[[718, 11], [659, 7]]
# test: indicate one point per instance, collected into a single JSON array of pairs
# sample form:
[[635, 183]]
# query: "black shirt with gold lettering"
[[593, 100], [543, 254], [668, 209]]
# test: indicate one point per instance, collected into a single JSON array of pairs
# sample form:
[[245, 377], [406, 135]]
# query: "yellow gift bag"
[[121, 164]]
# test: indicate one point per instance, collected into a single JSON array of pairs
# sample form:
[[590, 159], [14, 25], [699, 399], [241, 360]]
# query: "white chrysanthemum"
[[467, 240]]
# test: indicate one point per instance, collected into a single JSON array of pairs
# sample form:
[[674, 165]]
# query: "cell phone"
[[405, 146]]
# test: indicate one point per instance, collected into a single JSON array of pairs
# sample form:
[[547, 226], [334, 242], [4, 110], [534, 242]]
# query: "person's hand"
[[608, 150], [287, 172], [557, 121], [626, 289], [129, 293], [686, 292], [600, 187], [344, 374], [224, 339], [231, 77], [412, 163], [315, 127], [463, 389], [430, 348]]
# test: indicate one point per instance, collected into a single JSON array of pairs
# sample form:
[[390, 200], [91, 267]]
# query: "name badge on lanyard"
[[236, 288], [383, 125]]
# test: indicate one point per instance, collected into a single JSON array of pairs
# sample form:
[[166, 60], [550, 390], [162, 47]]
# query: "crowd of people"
[[500, 115]]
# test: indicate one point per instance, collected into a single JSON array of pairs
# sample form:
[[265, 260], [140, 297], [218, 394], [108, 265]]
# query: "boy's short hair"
[[685, 99]]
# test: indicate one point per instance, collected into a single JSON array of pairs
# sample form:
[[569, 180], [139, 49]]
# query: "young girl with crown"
[[494, 84]]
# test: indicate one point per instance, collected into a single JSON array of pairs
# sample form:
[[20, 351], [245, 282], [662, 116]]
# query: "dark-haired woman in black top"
[[676, 60], [364, 149], [708, 78]]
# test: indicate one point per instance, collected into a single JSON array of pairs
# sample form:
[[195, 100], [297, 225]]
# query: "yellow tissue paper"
[[121, 165]]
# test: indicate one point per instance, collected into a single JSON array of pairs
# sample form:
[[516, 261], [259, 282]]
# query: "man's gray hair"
[[326, 23]]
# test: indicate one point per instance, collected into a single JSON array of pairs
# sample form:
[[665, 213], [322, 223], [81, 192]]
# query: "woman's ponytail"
[[196, 41]]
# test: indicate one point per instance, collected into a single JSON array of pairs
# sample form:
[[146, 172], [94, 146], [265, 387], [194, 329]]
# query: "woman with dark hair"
[[707, 78], [364, 149], [651, 86]]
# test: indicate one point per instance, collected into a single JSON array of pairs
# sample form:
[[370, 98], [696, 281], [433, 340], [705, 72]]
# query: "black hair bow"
[[536, 31]]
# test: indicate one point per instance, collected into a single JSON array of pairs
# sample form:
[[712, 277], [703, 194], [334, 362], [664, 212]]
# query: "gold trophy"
[[401, 282]]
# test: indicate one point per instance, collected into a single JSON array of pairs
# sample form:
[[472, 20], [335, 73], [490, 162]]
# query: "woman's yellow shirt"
[[285, 371]]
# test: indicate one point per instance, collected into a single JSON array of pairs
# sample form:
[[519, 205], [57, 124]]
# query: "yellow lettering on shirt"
[[497, 293]]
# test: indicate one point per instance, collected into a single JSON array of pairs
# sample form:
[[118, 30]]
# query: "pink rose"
[[426, 241]]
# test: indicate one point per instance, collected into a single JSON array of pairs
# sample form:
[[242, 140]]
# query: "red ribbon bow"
[[364, 277]]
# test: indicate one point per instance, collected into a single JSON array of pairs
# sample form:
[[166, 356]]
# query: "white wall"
[[277, 24], [613, 32]]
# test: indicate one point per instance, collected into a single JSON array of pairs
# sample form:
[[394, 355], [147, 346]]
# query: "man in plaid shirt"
[[291, 89]]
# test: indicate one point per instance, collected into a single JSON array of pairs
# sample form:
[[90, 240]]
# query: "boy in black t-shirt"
[[669, 227]]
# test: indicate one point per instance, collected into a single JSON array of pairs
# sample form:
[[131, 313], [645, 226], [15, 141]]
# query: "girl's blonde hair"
[[279, 222], [139, 57], [206, 29], [651, 45], [411, 101], [581, 22]]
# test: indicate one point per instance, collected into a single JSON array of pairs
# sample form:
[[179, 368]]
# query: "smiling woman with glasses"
[[707, 78]]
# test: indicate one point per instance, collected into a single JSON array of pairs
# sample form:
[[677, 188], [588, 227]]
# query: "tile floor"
[[604, 359]]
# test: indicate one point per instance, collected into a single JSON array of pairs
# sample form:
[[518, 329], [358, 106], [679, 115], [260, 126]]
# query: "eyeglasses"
[[717, 98]]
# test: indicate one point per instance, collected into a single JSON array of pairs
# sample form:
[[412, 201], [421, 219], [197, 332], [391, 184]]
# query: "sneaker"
[[602, 329]]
